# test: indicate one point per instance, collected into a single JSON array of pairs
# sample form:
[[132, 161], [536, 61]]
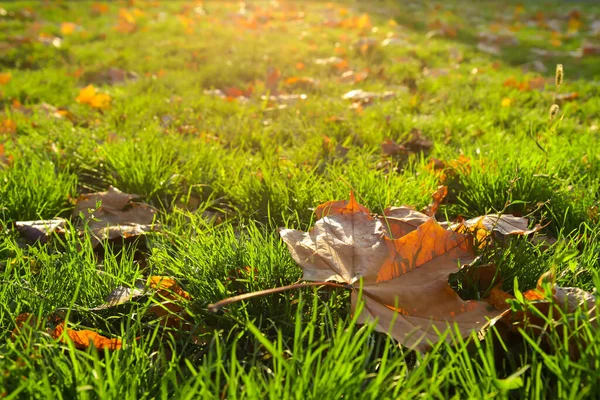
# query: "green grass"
[[225, 175]]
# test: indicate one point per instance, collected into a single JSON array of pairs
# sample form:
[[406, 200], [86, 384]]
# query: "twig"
[[220, 304]]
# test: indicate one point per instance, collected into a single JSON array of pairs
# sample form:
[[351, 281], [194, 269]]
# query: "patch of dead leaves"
[[400, 264]]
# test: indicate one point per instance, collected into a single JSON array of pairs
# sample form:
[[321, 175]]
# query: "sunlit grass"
[[226, 174]]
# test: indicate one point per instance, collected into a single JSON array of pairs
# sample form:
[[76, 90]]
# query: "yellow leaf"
[[126, 16], [89, 95], [574, 25], [86, 94], [363, 22], [67, 28], [100, 100]]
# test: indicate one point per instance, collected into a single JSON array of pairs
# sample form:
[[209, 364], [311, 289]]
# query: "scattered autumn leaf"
[[99, 8], [90, 96], [8, 126], [301, 82], [415, 143], [498, 225], [503, 224], [5, 77], [272, 80], [360, 96], [566, 96], [82, 339], [67, 28], [559, 306]]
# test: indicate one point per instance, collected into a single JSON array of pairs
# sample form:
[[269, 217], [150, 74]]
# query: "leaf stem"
[[220, 304]]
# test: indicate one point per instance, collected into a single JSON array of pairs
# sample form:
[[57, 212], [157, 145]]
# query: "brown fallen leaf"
[[112, 214], [351, 76], [404, 281], [34, 231], [272, 80], [589, 49], [416, 143], [110, 76], [548, 312]]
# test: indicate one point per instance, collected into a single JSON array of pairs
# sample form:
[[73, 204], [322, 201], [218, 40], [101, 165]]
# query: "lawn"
[[227, 121]]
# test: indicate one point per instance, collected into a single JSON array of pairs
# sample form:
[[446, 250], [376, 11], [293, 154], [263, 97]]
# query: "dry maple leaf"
[[404, 281]]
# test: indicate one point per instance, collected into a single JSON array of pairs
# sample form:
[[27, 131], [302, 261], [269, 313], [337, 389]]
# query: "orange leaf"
[[8, 126], [99, 8], [438, 196], [166, 285], [5, 77], [84, 338]]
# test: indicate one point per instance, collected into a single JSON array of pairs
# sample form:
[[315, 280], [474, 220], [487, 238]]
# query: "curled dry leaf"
[[162, 285], [404, 281], [437, 198], [112, 214], [502, 225], [360, 96], [560, 305], [34, 231], [169, 297]]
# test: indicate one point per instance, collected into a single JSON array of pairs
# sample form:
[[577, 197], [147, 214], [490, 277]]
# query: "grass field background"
[[229, 118]]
